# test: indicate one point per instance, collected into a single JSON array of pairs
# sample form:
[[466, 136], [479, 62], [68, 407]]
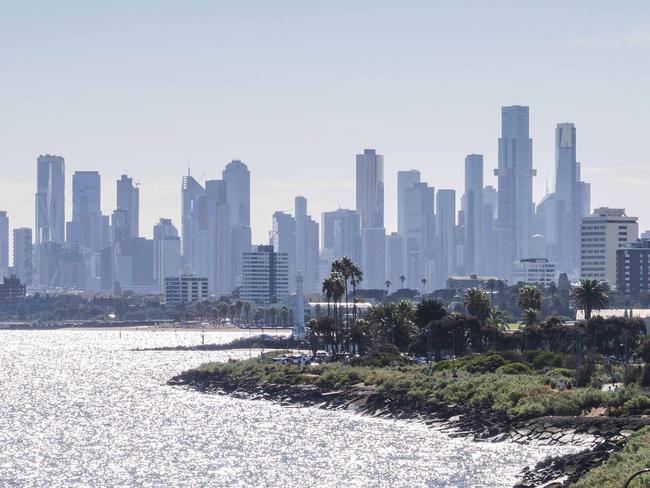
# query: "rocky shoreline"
[[599, 435]]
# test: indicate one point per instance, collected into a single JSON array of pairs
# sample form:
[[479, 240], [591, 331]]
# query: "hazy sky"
[[296, 89]]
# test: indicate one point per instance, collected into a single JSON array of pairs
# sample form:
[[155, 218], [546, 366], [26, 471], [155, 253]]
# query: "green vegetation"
[[621, 465], [488, 382]]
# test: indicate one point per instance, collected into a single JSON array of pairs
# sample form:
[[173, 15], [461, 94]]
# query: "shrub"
[[473, 364], [621, 465], [545, 359], [514, 368], [384, 355]]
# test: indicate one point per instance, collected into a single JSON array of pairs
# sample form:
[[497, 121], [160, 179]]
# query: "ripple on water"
[[81, 408]]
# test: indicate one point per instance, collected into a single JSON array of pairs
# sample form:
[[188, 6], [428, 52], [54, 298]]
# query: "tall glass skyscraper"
[[370, 189], [50, 199], [370, 206], [238, 182], [515, 177], [128, 199], [473, 208], [405, 180]]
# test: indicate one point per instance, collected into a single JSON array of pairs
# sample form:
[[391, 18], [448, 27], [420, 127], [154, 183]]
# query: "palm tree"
[[387, 283], [402, 278], [529, 298], [424, 286], [328, 287], [529, 317], [335, 291], [498, 318], [392, 323], [589, 295], [478, 304]]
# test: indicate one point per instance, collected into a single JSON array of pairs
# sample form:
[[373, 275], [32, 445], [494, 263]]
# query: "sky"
[[296, 89]]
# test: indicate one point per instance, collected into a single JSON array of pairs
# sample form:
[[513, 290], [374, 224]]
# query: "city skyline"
[[260, 235], [423, 93]]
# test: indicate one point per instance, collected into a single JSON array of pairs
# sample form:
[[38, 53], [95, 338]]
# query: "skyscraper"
[[419, 232], [191, 190], [50, 199], [515, 179], [473, 209], [306, 247], [4, 245], [23, 252], [341, 234], [405, 180], [445, 235], [370, 206], [370, 189], [87, 225], [128, 199], [166, 252], [283, 240], [220, 241], [396, 259], [238, 182]]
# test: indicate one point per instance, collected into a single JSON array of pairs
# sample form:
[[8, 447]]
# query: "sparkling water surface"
[[81, 408]]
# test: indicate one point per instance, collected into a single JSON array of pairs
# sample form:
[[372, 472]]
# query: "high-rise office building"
[[166, 252], [4, 244], [297, 236], [134, 265], [128, 199], [515, 178], [220, 241], [473, 209], [120, 226], [237, 178], [88, 226], [445, 236], [370, 189], [50, 199], [341, 234], [306, 247], [420, 232], [283, 239], [238, 182], [265, 276], [373, 257], [23, 254], [602, 234], [370, 206], [396, 260], [191, 191], [405, 180]]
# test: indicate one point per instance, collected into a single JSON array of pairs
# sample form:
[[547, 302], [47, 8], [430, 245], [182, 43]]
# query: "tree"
[[529, 317], [392, 323], [428, 311], [424, 286], [478, 305], [529, 298], [328, 291], [589, 295], [387, 283], [402, 279], [498, 319]]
